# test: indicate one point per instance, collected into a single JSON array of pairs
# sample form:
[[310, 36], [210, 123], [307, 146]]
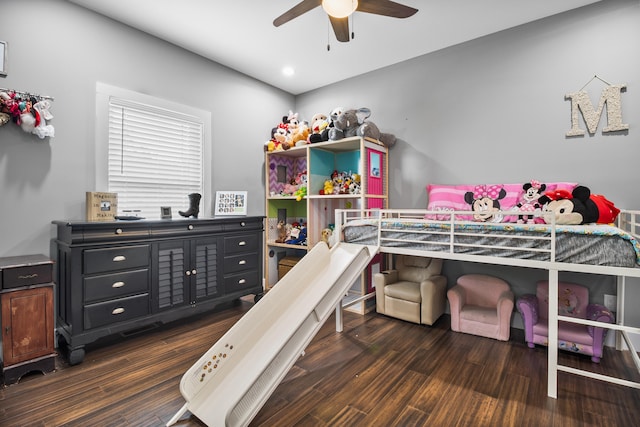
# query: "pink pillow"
[[452, 197]]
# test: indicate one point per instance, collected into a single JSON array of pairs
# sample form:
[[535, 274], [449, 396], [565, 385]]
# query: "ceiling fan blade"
[[340, 27], [386, 8], [303, 7]]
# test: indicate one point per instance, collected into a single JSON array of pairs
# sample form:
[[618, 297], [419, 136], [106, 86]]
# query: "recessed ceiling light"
[[288, 71]]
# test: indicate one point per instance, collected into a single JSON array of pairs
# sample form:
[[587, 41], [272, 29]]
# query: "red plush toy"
[[579, 206]]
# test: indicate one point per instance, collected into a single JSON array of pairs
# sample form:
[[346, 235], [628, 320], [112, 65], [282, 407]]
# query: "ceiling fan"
[[340, 10]]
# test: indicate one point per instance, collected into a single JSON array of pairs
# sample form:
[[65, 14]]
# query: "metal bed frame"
[[627, 221]]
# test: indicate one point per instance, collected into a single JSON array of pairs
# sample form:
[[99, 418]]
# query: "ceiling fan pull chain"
[[353, 27], [328, 36]]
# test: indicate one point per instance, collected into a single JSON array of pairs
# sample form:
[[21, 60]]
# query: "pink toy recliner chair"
[[573, 301], [481, 305]]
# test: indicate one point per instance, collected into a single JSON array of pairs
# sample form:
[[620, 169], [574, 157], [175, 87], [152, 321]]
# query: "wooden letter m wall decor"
[[580, 102]]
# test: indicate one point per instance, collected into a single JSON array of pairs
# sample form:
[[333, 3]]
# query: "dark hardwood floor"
[[378, 372]]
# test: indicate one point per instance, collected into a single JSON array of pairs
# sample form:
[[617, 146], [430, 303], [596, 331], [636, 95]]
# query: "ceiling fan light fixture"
[[339, 8]]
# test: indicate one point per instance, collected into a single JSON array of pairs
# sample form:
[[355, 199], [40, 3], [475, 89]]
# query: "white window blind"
[[154, 157]]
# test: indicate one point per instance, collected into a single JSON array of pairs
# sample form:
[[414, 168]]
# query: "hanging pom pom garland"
[[29, 111]]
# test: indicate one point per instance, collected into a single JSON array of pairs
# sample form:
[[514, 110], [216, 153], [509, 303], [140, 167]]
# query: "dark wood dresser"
[[122, 277], [27, 321]]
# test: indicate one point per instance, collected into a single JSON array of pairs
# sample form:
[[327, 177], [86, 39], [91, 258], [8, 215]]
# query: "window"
[[151, 152]]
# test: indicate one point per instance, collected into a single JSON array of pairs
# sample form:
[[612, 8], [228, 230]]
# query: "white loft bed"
[[595, 249]]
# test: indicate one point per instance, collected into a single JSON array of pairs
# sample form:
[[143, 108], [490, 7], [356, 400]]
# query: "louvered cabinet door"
[[206, 280], [171, 276]]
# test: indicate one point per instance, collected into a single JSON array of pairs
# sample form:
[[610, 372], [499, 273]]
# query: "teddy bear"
[[579, 206], [529, 203], [354, 123], [300, 135]]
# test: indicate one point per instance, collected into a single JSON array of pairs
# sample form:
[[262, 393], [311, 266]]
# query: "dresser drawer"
[[114, 285], [242, 243], [113, 259], [242, 262], [244, 280], [108, 312]]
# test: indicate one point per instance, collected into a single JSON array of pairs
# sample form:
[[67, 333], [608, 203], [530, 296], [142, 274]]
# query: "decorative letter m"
[[580, 101]]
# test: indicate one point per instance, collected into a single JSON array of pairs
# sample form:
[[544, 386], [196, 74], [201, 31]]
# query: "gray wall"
[[59, 49]]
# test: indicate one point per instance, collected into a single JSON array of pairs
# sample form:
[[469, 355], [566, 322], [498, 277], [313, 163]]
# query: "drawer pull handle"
[[190, 227], [29, 276], [118, 310], [242, 224], [194, 271], [242, 262], [119, 258], [118, 230], [117, 285], [242, 281], [188, 273], [242, 243]]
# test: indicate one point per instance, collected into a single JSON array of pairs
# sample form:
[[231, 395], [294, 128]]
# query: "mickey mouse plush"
[[579, 206]]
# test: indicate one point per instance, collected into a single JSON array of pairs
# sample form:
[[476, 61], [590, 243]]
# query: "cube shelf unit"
[[363, 156]]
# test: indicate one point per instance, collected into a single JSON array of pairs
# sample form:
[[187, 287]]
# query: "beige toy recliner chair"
[[414, 291]]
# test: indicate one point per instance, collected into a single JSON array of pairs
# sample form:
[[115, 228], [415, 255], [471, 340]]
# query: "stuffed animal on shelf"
[[297, 235], [300, 135], [280, 138], [529, 203], [579, 206], [319, 128], [282, 232], [354, 123], [327, 187], [334, 133]]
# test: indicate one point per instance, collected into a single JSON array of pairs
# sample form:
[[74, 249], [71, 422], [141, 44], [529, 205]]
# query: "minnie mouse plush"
[[485, 202], [579, 206], [529, 203]]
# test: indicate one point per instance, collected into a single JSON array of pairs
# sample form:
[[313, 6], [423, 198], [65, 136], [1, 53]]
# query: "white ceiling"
[[240, 33]]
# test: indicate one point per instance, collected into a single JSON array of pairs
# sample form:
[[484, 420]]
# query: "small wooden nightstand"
[[26, 300]]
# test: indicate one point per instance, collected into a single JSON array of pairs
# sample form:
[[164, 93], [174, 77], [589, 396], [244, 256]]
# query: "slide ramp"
[[229, 384]]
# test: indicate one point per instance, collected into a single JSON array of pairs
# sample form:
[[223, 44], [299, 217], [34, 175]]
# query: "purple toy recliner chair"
[[573, 301]]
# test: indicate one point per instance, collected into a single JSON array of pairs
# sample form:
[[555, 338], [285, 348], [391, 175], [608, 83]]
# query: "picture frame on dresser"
[[230, 203]]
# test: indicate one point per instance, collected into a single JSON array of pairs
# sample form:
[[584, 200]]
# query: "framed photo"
[[101, 206], [230, 203], [165, 212], [3, 59]]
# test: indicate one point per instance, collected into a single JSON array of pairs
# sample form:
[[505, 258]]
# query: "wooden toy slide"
[[229, 384]]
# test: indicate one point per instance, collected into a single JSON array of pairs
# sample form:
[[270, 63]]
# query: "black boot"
[[194, 206]]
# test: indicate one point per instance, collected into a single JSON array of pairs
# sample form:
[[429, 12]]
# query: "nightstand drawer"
[[243, 243], [113, 259], [233, 264], [108, 312], [15, 277], [109, 286]]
